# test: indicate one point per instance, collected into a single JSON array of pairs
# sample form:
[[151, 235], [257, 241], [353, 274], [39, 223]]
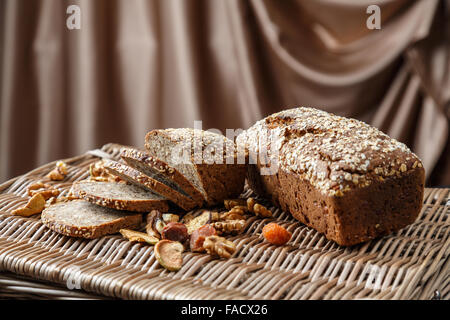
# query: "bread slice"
[[83, 219], [151, 183], [153, 166], [119, 196], [208, 160]]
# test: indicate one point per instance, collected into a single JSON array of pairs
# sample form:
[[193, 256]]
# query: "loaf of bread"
[[206, 159], [340, 176]]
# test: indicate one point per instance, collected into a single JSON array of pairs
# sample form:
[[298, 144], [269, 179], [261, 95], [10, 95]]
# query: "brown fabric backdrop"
[[137, 65]]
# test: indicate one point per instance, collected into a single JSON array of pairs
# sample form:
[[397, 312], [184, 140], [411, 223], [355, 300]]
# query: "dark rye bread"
[[119, 196], [208, 160], [340, 176], [149, 165], [150, 183], [83, 219]]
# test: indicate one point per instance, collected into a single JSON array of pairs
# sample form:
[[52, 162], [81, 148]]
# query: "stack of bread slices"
[[189, 168]]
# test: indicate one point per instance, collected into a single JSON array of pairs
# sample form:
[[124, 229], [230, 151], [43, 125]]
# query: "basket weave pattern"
[[410, 264]]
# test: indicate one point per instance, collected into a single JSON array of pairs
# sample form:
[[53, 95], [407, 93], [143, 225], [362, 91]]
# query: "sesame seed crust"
[[333, 153]]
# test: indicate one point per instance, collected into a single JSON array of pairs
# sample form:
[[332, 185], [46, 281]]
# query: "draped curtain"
[[136, 65]]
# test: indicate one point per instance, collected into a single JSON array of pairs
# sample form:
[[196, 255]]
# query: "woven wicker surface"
[[410, 264]]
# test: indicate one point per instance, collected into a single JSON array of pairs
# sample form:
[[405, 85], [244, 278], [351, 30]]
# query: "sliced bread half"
[[119, 196], [83, 219], [208, 160], [153, 166], [151, 183]]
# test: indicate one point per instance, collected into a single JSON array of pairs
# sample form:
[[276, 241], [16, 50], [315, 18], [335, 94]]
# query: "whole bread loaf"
[[340, 176], [208, 160]]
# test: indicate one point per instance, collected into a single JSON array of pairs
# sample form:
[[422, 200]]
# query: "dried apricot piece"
[[276, 234]]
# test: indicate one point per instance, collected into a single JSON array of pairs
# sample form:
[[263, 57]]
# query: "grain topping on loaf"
[[335, 154]]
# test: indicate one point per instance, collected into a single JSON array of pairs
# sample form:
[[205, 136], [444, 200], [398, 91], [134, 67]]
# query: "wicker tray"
[[36, 262]]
